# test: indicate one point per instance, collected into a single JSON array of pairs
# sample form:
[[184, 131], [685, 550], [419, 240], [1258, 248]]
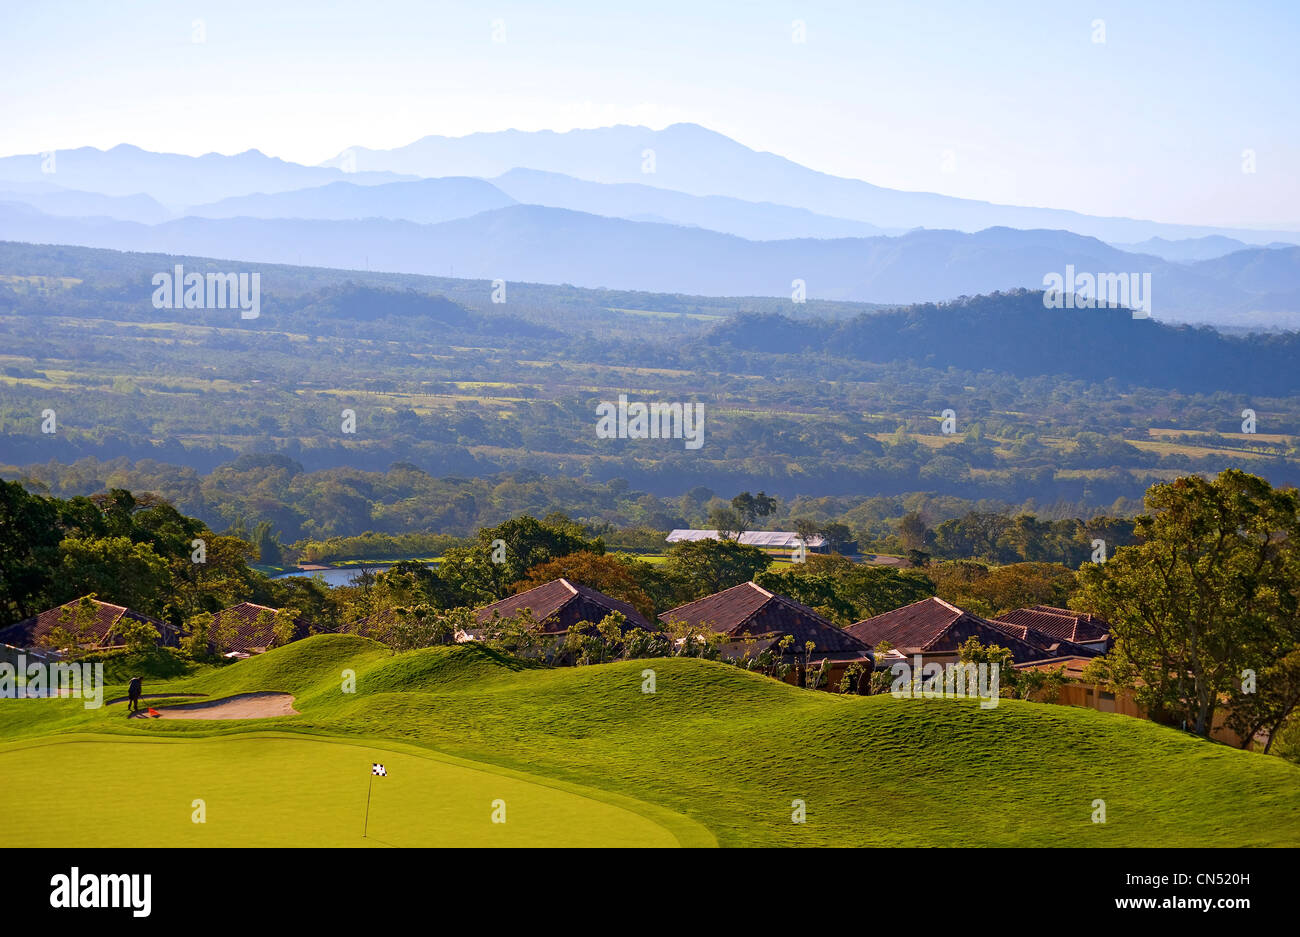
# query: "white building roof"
[[773, 539]]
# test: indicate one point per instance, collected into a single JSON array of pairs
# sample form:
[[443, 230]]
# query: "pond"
[[341, 575]]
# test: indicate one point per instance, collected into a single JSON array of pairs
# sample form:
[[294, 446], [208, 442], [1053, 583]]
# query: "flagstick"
[[368, 788]]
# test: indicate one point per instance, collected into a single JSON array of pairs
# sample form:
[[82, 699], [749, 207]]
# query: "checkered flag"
[[381, 771]]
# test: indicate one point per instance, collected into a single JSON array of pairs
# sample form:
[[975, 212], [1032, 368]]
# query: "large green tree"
[[503, 555], [29, 551], [844, 591], [117, 570], [1209, 598], [708, 566]]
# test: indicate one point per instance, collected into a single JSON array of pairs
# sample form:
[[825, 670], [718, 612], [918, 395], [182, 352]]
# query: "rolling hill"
[[730, 751], [1014, 334]]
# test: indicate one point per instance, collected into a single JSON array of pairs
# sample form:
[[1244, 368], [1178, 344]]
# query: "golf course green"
[[275, 790], [586, 756]]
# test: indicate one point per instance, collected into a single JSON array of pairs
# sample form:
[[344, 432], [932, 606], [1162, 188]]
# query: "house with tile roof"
[[1078, 628], [1049, 644], [248, 628], [752, 619], [377, 626], [560, 604], [103, 632], [935, 630]]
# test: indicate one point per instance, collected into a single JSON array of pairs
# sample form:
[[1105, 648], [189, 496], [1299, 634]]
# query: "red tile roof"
[[31, 631], [250, 637], [378, 626], [1054, 646], [750, 610], [1073, 664], [935, 626], [1062, 623], [560, 604]]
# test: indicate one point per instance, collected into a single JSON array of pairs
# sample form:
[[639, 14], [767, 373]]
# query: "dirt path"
[[243, 706]]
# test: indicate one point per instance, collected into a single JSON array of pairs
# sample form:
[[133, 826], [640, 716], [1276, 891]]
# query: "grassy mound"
[[438, 668], [735, 751]]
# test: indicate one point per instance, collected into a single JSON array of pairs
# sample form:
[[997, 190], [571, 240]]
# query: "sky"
[[1186, 112]]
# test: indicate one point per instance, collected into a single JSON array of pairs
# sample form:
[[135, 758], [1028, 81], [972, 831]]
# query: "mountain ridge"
[[617, 154], [682, 158], [537, 244]]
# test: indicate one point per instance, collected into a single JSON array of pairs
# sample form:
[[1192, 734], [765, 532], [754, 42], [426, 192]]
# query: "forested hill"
[[1014, 333]]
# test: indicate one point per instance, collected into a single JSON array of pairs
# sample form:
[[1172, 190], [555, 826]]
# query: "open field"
[[713, 749]]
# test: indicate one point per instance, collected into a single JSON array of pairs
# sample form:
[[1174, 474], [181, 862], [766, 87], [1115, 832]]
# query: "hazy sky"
[[1008, 102]]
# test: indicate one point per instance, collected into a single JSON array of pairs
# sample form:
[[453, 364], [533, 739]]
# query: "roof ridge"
[[569, 585], [1058, 657], [750, 617], [961, 613], [1057, 610], [798, 607], [96, 601]]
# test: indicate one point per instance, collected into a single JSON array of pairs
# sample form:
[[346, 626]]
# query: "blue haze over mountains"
[[713, 218]]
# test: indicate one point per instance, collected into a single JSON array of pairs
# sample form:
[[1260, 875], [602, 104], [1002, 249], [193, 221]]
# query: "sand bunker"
[[243, 706], [123, 699]]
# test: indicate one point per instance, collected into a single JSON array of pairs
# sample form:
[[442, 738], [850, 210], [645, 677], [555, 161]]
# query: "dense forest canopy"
[[1012, 333]]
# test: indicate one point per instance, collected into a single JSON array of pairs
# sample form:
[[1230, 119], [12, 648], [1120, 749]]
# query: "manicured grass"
[[654, 559], [271, 790], [381, 561], [732, 750]]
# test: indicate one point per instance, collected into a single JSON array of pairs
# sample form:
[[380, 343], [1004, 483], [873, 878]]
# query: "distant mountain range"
[[690, 158], [644, 174], [71, 203], [172, 179], [532, 243], [681, 209], [442, 199], [426, 201], [635, 201], [1193, 249]]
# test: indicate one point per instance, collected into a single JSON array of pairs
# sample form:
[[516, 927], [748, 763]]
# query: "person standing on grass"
[[133, 696]]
